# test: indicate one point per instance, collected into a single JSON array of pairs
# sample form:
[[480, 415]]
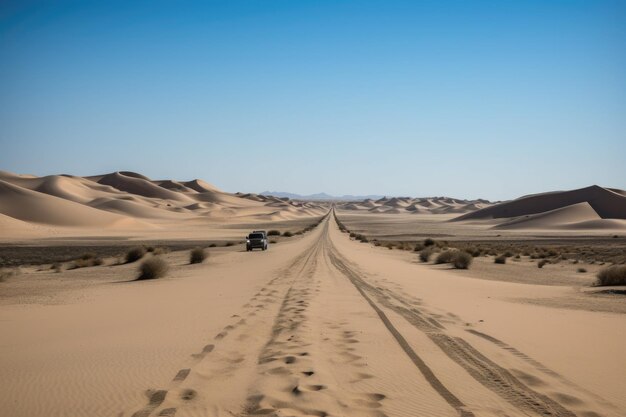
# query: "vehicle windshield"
[[256, 236]]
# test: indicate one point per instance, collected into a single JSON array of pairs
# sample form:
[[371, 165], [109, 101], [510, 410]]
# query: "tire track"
[[482, 369]]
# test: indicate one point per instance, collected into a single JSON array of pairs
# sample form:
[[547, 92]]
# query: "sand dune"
[[128, 199], [608, 204], [399, 205], [586, 208], [560, 217], [26, 205]]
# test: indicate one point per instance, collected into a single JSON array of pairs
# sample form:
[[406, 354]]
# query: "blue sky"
[[490, 99]]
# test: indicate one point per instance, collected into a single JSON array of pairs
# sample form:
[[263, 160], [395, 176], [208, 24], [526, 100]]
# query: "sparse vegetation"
[[134, 254], [57, 267], [7, 273], [426, 253], [612, 275], [581, 270], [462, 260], [542, 263], [429, 242], [288, 234], [152, 268], [229, 244], [273, 233], [444, 257], [197, 255], [87, 260], [500, 259]]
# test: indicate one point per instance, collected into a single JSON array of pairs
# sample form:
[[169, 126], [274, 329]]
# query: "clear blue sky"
[[489, 99]]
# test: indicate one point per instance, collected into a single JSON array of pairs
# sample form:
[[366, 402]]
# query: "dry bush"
[[161, 250], [542, 263], [581, 270], [197, 255], [287, 234], [426, 253], [444, 257], [429, 242], [85, 261], [500, 259], [612, 275], [273, 241], [152, 268], [135, 254], [213, 245], [57, 267], [462, 260], [8, 273], [273, 233], [228, 244]]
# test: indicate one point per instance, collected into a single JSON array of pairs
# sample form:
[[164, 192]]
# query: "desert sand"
[[318, 325]]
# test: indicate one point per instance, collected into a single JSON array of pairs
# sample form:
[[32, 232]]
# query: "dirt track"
[[321, 338]]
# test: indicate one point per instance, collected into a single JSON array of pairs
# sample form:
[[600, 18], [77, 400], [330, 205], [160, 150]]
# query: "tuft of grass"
[[85, 261], [161, 250], [287, 234], [462, 260], [444, 257], [542, 263], [273, 233], [197, 255], [612, 275], [152, 268], [135, 254], [500, 259], [426, 253], [7, 273]]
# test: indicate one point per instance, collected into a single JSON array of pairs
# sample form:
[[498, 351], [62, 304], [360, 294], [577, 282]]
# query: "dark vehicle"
[[256, 239]]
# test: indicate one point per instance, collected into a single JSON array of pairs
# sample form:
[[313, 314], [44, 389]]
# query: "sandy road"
[[323, 337]]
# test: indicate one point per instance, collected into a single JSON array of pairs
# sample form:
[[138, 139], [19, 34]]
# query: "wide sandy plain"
[[319, 325]]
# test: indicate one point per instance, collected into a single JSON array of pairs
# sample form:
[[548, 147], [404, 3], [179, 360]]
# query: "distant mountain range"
[[320, 196]]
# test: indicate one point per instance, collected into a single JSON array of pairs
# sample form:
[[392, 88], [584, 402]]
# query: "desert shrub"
[[508, 254], [86, 260], [542, 263], [426, 253], [150, 248], [152, 268], [581, 270], [500, 259], [56, 267], [273, 233], [134, 254], [287, 234], [213, 245], [429, 242], [363, 239], [612, 275], [273, 241], [462, 260], [444, 257], [352, 234], [161, 250], [197, 255], [7, 273], [228, 244], [418, 247]]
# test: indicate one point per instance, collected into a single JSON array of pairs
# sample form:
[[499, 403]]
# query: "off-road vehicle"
[[256, 239]]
